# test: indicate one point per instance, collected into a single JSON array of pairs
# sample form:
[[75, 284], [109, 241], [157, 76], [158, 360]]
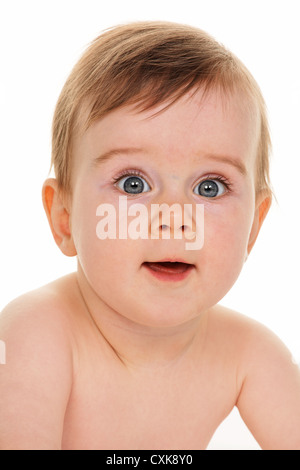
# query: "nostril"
[[182, 227]]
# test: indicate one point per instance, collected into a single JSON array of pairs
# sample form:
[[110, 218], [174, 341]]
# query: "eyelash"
[[219, 178], [136, 172], [124, 173]]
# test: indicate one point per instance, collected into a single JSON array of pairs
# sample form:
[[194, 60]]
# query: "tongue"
[[169, 267]]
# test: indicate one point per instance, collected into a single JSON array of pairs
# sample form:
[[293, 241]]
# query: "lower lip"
[[168, 275]]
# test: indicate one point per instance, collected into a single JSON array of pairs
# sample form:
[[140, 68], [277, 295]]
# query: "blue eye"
[[133, 184], [210, 188]]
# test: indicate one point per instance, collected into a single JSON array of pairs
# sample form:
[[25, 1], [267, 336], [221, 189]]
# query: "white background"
[[41, 41]]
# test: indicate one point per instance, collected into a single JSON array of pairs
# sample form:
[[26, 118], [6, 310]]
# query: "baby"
[[160, 153]]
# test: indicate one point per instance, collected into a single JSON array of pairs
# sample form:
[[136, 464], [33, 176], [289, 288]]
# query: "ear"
[[58, 216], [262, 206]]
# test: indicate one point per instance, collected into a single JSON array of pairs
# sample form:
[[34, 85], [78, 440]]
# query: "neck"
[[141, 346]]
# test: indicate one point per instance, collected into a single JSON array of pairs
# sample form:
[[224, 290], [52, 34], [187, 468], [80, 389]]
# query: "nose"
[[172, 221]]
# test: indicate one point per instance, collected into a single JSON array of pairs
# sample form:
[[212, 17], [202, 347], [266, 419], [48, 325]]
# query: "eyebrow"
[[237, 164], [104, 157]]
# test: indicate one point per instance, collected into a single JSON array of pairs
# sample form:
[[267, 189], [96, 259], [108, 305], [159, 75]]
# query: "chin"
[[164, 316]]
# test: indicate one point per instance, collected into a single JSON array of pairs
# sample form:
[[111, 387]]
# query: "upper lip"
[[170, 260]]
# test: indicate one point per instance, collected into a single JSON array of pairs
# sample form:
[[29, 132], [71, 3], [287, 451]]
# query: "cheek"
[[105, 262], [225, 242], [83, 225], [102, 263]]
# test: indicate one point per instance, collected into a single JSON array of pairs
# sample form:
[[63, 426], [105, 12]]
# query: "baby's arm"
[[269, 401], [36, 380]]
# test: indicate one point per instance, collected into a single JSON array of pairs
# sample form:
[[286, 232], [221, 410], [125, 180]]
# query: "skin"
[[160, 364]]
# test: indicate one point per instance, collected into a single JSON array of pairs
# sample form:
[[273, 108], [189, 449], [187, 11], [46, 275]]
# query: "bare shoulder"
[[254, 345], [269, 397], [35, 381], [38, 314], [251, 336], [236, 332]]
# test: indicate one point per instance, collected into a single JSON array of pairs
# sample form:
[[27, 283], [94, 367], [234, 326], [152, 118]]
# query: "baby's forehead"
[[245, 104], [226, 123]]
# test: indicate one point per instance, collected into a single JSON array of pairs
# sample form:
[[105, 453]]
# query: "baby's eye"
[[133, 184], [210, 188]]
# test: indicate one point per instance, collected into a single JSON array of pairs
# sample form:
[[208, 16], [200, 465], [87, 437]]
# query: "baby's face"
[[195, 152]]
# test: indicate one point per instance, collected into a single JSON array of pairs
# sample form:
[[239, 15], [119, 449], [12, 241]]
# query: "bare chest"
[[157, 411]]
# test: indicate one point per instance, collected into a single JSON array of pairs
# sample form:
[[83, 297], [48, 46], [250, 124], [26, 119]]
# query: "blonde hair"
[[149, 63]]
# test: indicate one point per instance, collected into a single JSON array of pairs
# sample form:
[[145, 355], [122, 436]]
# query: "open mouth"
[[169, 270]]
